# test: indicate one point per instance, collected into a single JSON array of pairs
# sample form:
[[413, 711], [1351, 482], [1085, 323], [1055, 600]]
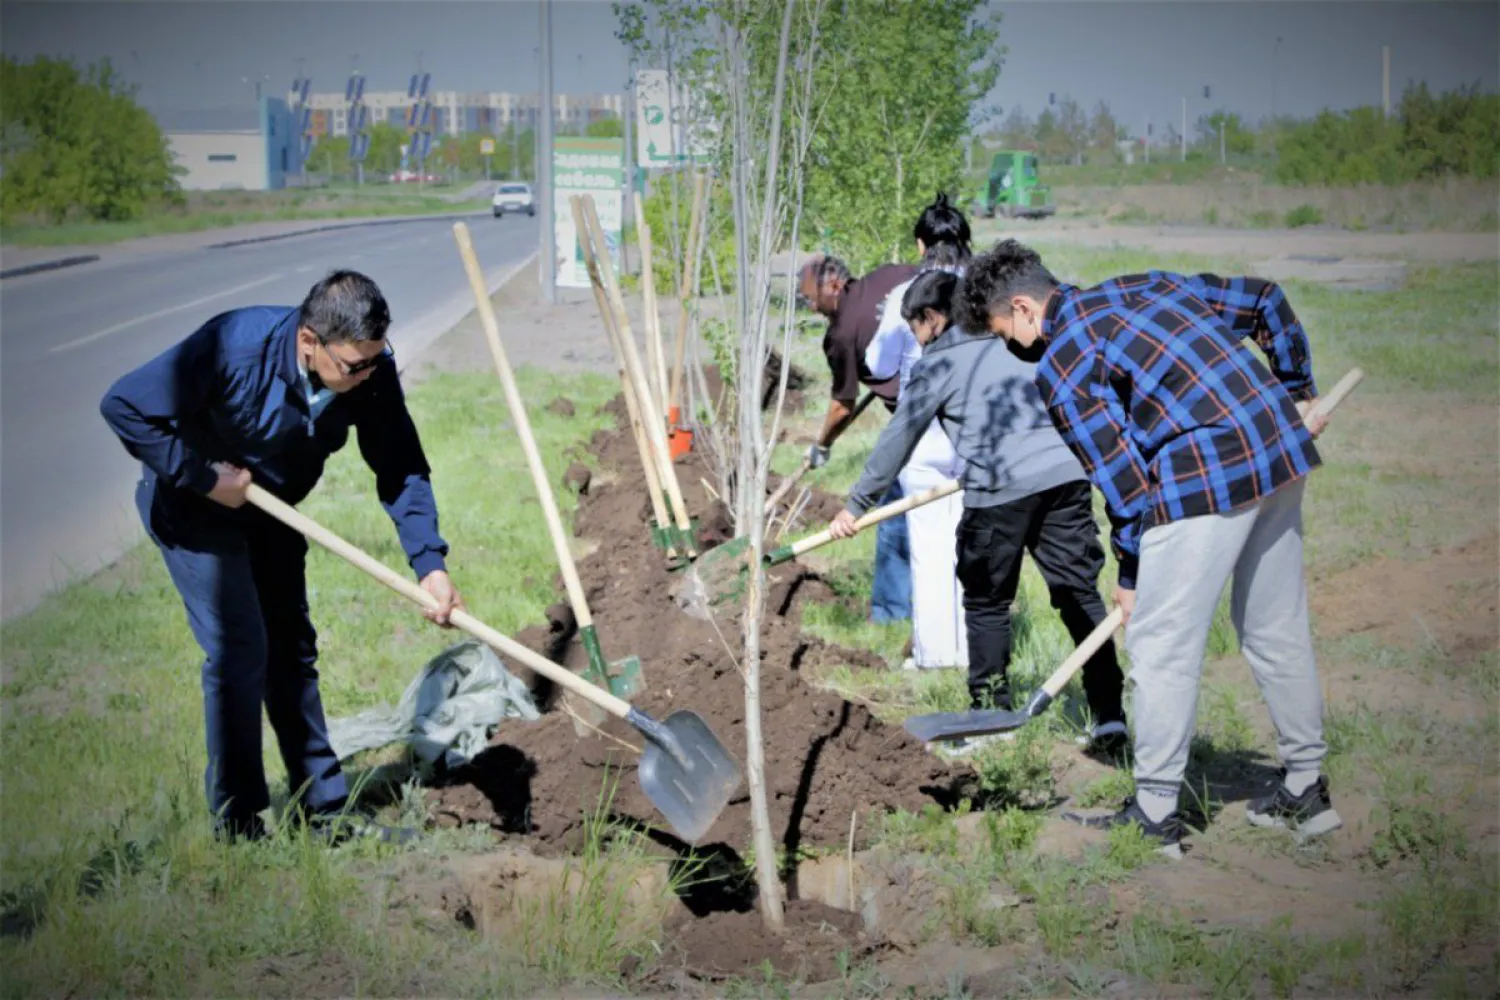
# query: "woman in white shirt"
[[938, 633]]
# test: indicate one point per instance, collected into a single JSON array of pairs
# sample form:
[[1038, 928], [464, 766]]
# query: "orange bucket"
[[679, 439]]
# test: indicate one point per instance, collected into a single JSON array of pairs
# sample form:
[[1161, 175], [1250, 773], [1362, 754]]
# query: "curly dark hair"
[[831, 268], [1007, 269]]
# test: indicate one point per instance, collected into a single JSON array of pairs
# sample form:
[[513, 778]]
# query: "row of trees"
[[1427, 135], [75, 142], [878, 147]]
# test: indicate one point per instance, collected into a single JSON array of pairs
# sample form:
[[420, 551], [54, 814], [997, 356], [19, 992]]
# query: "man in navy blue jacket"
[[269, 393]]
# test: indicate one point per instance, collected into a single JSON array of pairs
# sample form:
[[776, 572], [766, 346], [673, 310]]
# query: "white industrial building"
[[235, 148]]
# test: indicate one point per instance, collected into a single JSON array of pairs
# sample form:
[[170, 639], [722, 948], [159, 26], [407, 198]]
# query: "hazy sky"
[[1143, 57]]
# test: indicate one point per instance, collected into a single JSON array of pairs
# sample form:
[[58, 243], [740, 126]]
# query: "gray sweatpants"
[[1184, 566]]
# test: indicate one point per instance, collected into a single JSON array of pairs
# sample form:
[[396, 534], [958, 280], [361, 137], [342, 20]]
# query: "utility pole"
[[544, 162], [1183, 137], [1275, 53], [1146, 142], [1221, 140], [627, 205], [1385, 78]]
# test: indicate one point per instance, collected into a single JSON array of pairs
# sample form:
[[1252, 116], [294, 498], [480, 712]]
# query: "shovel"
[[719, 574], [600, 267], [623, 677], [663, 535], [957, 725], [685, 771]]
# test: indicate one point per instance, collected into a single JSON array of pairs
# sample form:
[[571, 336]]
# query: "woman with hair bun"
[[938, 634]]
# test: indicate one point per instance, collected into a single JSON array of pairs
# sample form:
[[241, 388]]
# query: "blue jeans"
[[890, 596], [240, 575]]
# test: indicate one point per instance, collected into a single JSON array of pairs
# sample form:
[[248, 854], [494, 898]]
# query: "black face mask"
[[1032, 354]]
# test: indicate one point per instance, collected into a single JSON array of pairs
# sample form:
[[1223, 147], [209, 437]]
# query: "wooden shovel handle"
[[687, 288], [523, 427], [656, 432], [408, 589], [875, 516], [1326, 404], [657, 376], [632, 408], [1103, 632]]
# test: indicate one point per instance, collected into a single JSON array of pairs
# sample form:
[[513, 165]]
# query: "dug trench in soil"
[[826, 759]]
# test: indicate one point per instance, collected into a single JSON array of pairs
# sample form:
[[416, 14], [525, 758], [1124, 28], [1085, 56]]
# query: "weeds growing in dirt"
[[606, 908], [1018, 773], [1109, 790]]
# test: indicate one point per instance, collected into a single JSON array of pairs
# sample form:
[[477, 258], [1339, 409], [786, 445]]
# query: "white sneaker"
[[909, 664]]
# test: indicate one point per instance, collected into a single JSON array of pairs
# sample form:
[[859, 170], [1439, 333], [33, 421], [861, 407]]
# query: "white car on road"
[[512, 197]]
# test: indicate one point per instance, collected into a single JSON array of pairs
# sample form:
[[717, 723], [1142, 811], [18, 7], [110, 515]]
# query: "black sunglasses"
[[350, 370]]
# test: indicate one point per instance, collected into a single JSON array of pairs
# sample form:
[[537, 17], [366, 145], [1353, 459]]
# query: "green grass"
[[219, 209], [106, 848], [107, 864]]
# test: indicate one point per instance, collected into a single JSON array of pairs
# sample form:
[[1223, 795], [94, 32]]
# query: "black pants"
[[1057, 527]]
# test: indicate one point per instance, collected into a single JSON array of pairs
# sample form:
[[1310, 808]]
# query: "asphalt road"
[[66, 484]]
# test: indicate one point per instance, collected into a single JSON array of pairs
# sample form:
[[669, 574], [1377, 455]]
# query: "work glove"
[[817, 456]]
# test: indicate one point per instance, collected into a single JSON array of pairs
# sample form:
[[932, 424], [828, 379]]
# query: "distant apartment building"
[[457, 113]]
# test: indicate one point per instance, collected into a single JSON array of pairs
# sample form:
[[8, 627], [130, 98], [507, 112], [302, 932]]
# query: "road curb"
[[48, 265], [393, 221]]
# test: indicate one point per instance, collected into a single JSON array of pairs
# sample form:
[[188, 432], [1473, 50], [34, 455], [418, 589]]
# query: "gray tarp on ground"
[[450, 710]]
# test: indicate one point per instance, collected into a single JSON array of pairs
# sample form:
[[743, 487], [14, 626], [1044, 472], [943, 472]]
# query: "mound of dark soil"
[[728, 944], [825, 757]]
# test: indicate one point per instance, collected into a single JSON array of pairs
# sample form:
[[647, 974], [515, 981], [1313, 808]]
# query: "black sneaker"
[[1107, 740], [1168, 832], [1310, 814]]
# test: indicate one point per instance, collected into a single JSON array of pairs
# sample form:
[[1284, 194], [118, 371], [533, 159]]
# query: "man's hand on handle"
[[439, 585], [1315, 424], [843, 525], [232, 486], [1125, 601]]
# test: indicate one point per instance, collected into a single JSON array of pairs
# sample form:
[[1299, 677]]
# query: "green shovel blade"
[[622, 678]]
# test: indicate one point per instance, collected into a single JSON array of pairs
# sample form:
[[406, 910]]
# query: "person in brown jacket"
[[853, 309]]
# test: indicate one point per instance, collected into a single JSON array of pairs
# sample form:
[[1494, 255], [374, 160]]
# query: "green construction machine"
[[1013, 189]]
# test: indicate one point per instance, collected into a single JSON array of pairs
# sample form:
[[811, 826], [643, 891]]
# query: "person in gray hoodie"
[[1023, 491]]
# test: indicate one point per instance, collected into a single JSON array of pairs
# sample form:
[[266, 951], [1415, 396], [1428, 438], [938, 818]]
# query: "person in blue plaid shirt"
[[1201, 452]]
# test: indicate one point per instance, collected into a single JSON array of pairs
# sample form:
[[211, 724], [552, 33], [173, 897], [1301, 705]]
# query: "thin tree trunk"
[[753, 466]]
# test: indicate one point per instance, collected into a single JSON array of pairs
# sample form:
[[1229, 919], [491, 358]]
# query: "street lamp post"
[[544, 162]]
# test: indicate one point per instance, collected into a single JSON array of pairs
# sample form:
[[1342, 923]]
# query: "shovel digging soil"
[[943, 726], [623, 678], [719, 574], [685, 771], [826, 758]]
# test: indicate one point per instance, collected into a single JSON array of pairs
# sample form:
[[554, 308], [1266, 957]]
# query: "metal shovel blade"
[[957, 725], [685, 771]]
